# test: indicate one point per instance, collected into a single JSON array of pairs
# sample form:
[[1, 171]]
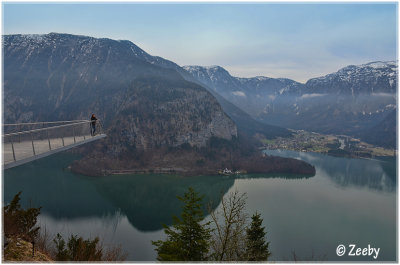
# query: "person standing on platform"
[[93, 125]]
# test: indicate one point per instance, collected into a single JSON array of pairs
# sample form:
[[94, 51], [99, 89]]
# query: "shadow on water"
[[389, 167], [48, 183], [148, 201], [347, 201], [375, 174]]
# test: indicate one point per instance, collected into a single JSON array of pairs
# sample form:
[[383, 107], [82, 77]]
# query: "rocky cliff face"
[[156, 119], [159, 112], [141, 100]]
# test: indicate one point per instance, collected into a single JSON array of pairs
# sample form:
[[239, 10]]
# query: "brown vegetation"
[[237, 154], [25, 241], [18, 249], [229, 238]]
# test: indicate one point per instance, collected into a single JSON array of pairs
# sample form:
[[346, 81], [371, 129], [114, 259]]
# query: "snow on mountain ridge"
[[380, 64], [374, 67], [356, 79]]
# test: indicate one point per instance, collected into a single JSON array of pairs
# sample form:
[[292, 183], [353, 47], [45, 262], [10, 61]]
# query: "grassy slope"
[[20, 250]]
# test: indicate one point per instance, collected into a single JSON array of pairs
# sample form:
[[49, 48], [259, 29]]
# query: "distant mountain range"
[[157, 117], [352, 101], [76, 61], [62, 76]]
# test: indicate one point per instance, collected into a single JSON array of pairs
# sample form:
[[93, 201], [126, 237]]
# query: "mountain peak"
[[376, 65], [117, 80], [380, 64], [208, 69]]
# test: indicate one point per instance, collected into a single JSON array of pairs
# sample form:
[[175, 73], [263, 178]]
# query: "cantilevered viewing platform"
[[25, 142]]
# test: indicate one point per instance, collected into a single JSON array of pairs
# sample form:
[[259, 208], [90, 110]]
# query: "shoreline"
[[265, 165], [137, 172], [191, 162], [328, 154], [331, 155]]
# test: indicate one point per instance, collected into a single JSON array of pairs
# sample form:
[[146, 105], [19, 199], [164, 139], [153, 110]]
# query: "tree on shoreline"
[[187, 238], [21, 223], [78, 249], [256, 246], [228, 241], [232, 239], [20, 229]]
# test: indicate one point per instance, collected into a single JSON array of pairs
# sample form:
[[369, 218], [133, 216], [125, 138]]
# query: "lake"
[[348, 201]]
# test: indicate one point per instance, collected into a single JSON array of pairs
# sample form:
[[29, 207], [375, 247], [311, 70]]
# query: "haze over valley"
[[149, 103], [221, 132], [352, 101], [155, 119]]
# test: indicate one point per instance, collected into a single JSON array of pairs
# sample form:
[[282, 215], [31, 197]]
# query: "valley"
[[194, 120], [155, 116], [357, 100], [201, 132], [336, 145]]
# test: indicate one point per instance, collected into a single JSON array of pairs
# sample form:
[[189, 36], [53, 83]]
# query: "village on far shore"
[[337, 145]]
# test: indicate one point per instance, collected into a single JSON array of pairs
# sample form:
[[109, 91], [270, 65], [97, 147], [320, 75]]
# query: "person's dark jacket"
[[93, 119]]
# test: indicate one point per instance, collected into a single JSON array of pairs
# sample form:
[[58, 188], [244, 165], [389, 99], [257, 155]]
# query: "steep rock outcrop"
[[64, 77]]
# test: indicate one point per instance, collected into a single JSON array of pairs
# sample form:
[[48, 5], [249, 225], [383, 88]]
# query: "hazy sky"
[[296, 40]]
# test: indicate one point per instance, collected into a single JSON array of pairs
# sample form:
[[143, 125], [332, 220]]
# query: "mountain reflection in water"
[[376, 174], [347, 201], [148, 201]]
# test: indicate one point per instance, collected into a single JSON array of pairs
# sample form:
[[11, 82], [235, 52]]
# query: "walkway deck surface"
[[24, 151]]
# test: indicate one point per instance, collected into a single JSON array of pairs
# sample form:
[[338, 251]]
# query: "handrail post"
[[33, 146], [73, 131], [101, 127], [12, 147], [48, 138]]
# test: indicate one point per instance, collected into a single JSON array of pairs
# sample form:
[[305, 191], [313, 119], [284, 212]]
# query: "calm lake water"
[[348, 201]]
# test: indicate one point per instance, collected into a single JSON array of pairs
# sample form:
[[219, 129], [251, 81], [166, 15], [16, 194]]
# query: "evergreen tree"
[[256, 246], [20, 222], [187, 239], [78, 249]]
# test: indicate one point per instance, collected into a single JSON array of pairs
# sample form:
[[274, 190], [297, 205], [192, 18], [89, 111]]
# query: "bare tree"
[[229, 236]]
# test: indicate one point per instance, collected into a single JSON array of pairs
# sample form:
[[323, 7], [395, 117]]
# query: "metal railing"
[[26, 140], [27, 126]]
